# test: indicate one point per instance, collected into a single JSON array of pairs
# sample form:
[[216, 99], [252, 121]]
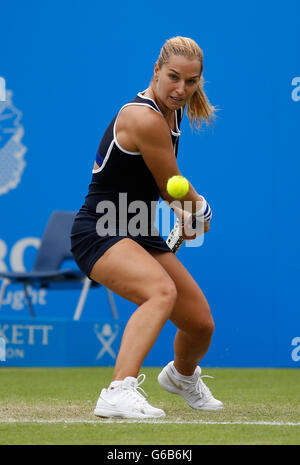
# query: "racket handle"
[[174, 240]]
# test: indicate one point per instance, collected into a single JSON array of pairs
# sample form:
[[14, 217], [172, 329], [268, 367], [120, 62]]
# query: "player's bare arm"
[[147, 132]]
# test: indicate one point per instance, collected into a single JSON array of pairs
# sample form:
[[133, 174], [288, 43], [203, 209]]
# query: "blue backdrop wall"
[[68, 66]]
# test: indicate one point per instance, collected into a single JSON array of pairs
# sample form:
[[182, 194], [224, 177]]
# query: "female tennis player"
[[135, 159]]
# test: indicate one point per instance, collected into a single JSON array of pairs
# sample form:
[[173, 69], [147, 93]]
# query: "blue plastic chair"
[[47, 271]]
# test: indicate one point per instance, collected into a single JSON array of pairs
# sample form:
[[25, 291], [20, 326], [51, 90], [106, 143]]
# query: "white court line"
[[159, 422]]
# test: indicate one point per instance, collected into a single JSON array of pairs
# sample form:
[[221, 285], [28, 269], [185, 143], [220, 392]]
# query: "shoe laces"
[[139, 380], [134, 391], [201, 387]]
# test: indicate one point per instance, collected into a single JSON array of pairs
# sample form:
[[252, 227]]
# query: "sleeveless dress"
[[122, 195]]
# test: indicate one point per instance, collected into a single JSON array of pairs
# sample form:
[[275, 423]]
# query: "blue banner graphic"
[[66, 68]]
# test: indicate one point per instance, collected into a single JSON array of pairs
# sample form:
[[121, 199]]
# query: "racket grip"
[[174, 240]]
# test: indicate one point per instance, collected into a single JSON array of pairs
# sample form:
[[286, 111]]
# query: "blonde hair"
[[199, 108]]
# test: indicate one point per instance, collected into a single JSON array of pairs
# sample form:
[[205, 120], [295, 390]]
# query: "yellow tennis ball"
[[177, 186]]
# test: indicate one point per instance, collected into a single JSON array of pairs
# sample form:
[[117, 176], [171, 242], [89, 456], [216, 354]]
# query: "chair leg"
[[112, 303], [85, 289], [5, 283], [28, 300]]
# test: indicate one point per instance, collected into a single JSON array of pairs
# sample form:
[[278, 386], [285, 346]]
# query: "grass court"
[[55, 406]]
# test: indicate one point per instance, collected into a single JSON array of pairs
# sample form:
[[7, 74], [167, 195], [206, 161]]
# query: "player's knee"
[[210, 326], [206, 327], [202, 327], [166, 293]]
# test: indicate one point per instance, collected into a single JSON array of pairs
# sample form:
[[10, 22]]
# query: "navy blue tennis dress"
[[112, 204]]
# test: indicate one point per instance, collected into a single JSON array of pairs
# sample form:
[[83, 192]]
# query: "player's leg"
[[131, 272], [191, 314], [127, 269]]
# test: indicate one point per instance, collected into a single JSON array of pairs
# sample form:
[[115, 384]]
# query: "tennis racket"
[[174, 240]]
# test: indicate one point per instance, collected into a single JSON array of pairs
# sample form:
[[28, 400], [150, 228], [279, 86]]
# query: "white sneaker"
[[123, 400], [193, 390]]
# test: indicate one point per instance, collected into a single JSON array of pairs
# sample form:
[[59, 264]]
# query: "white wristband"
[[200, 213], [204, 213]]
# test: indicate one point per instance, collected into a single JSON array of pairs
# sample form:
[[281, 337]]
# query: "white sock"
[[115, 384], [179, 375]]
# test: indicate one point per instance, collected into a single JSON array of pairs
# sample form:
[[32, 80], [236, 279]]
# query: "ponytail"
[[199, 109]]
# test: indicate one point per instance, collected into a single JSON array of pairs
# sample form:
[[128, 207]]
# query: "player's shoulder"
[[143, 118]]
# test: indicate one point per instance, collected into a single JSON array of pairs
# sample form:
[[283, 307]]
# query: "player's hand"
[[187, 231], [206, 226]]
